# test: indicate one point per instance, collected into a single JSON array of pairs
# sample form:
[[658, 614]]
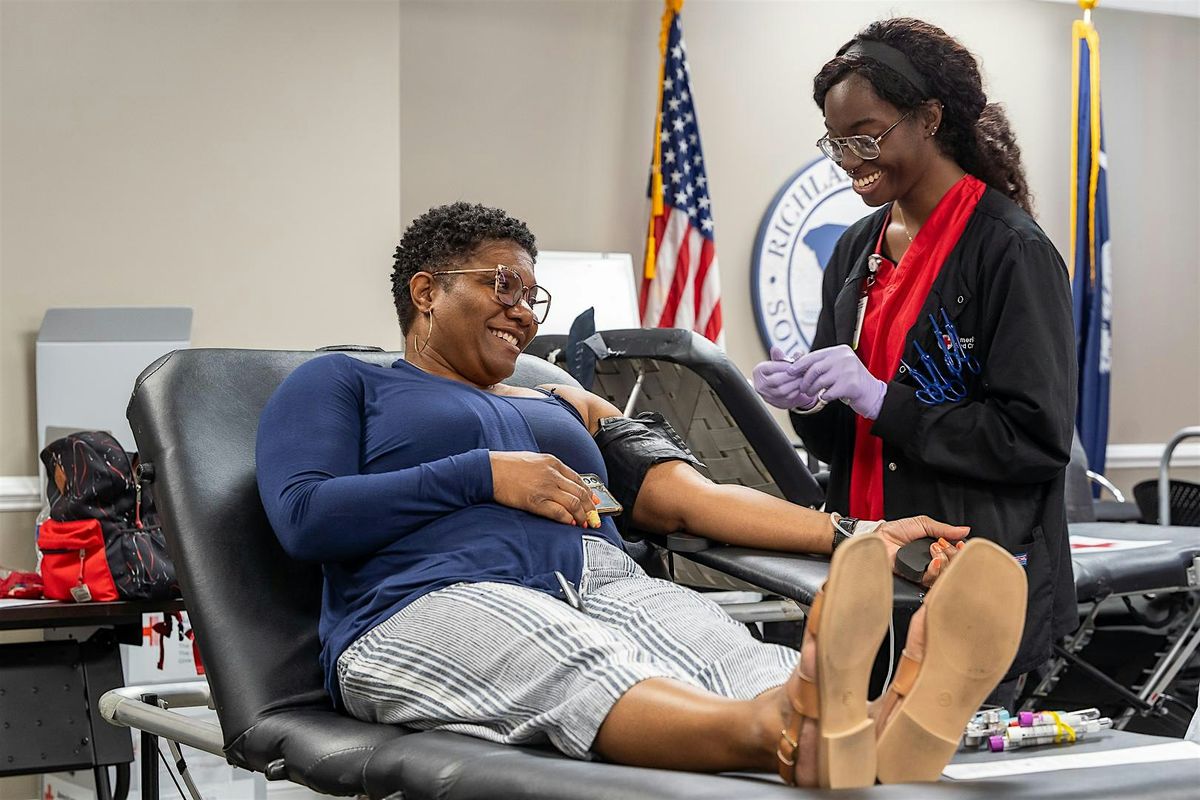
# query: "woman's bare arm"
[[675, 498]]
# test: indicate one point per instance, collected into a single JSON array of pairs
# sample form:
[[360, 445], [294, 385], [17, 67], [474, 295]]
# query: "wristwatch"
[[843, 529]]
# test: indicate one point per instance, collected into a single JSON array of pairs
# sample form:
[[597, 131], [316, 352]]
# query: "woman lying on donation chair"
[[444, 505]]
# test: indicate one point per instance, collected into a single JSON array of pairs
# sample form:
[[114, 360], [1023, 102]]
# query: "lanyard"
[[873, 262]]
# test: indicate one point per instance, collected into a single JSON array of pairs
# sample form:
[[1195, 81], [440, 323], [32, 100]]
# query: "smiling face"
[[852, 108], [475, 338]]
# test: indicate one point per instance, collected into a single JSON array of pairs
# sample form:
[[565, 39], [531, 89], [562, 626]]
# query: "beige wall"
[[241, 158], [244, 158]]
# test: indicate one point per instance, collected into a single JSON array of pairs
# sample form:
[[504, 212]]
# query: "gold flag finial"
[[1087, 6]]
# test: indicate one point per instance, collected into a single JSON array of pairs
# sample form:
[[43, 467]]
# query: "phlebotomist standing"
[[945, 329]]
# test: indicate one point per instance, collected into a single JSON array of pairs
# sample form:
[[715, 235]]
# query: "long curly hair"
[[974, 132], [445, 236]]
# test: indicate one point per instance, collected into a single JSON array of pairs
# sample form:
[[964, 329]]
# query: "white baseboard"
[[1147, 456], [20, 493]]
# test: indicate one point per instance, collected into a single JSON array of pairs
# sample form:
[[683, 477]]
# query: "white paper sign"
[[1174, 751], [1091, 544], [578, 281]]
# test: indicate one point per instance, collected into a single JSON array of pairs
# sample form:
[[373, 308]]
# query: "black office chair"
[[1078, 487], [1184, 497]]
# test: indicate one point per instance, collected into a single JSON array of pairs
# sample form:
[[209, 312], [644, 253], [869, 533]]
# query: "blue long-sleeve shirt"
[[382, 475]]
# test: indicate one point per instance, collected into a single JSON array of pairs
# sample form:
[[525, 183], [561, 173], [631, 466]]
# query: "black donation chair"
[[1135, 582], [254, 612]]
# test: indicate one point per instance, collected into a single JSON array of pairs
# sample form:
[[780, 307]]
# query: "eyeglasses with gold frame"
[[511, 290]]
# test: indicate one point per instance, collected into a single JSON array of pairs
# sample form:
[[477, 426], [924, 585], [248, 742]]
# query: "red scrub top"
[[894, 301]]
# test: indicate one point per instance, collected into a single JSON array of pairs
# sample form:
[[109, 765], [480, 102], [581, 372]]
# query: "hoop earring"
[[428, 335]]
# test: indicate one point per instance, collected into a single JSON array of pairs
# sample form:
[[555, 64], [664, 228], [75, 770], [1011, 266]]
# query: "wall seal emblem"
[[795, 240]]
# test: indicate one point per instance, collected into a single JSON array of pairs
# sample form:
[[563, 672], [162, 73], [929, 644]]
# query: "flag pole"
[[1084, 30], [670, 9], [1094, 105]]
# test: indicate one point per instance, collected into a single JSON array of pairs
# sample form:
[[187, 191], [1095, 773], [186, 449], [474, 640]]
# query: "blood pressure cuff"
[[630, 446]]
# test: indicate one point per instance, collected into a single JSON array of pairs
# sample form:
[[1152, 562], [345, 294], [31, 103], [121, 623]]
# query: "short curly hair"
[[973, 132], [446, 236]]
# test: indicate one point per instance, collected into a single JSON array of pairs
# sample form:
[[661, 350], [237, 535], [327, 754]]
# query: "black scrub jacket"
[[995, 460]]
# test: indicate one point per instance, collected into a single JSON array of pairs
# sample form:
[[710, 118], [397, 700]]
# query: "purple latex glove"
[[838, 372], [779, 387]]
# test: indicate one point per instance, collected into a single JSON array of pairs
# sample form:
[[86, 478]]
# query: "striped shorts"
[[516, 666]]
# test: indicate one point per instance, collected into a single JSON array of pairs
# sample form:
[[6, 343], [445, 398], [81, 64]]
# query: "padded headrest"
[[194, 414]]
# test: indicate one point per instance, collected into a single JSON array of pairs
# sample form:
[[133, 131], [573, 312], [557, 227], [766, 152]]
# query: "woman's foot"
[[960, 643], [881, 707], [828, 738]]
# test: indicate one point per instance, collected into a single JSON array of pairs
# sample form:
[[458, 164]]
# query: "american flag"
[[681, 285]]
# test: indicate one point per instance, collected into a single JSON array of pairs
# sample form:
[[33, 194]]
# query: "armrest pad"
[[687, 543], [793, 575]]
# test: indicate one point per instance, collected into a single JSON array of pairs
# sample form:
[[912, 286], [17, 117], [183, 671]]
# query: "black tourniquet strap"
[[630, 446]]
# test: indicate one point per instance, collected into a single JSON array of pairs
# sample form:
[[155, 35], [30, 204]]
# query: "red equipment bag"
[[90, 478], [74, 562]]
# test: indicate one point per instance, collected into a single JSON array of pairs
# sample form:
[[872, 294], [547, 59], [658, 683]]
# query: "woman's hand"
[[542, 485], [840, 374], [779, 387], [897, 533]]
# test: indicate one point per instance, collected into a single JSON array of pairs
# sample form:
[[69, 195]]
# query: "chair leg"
[[121, 791], [103, 789], [149, 758]]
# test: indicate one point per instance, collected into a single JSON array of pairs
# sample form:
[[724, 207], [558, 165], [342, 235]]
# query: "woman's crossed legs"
[[514, 665], [650, 674]]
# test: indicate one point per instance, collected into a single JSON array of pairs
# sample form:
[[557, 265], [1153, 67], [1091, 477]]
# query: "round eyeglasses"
[[510, 290], [863, 146]]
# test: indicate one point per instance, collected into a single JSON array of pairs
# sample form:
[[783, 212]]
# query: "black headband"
[[891, 57]]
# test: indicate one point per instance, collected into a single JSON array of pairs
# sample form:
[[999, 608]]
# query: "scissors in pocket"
[[953, 389], [930, 393]]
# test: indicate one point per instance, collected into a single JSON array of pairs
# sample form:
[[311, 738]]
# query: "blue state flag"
[[1091, 262]]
